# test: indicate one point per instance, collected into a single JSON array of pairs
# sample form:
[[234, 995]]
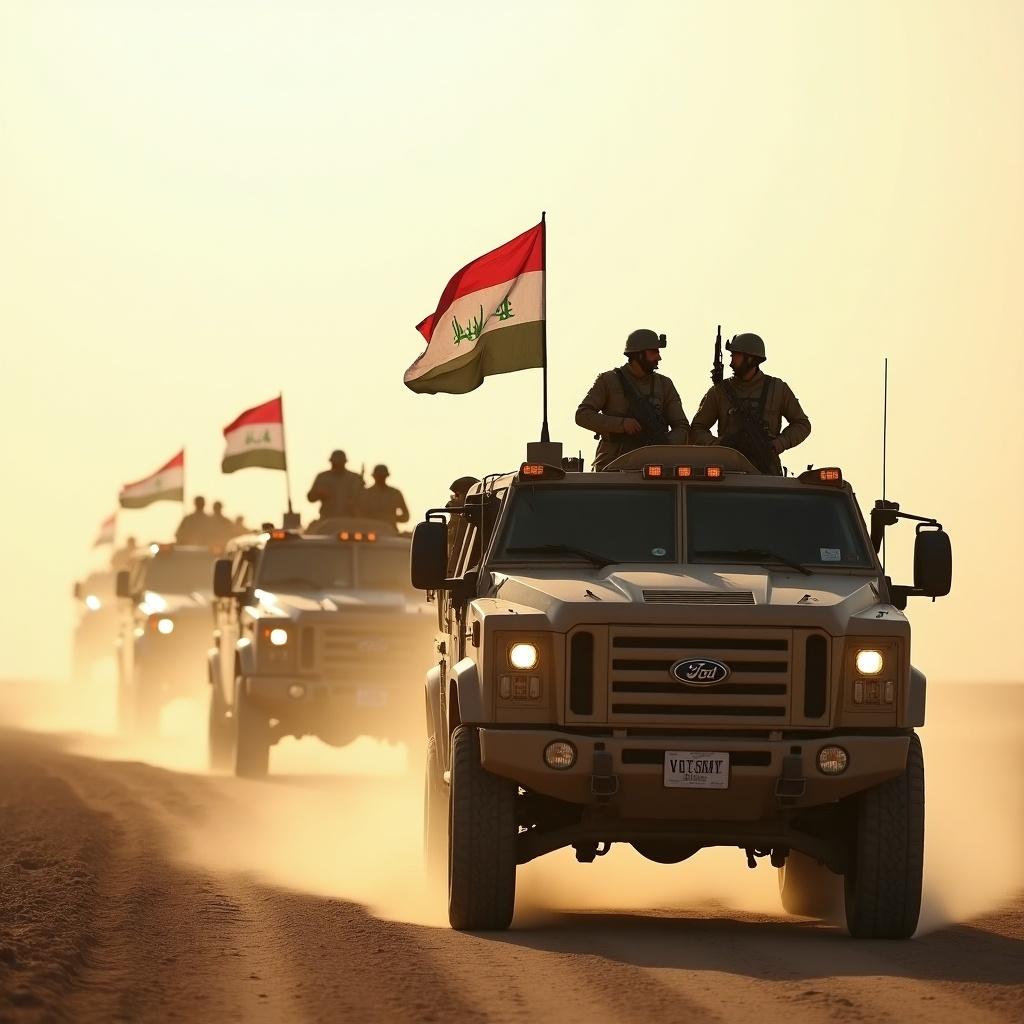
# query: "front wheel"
[[883, 882], [252, 736], [481, 840]]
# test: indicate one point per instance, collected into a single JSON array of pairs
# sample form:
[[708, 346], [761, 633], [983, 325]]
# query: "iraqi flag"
[[490, 320], [105, 535], [166, 484], [256, 438]]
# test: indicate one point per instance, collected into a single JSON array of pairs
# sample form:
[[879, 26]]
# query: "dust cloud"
[[346, 823]]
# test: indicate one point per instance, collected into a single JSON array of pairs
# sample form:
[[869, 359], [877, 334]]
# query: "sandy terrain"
[[135, 891]]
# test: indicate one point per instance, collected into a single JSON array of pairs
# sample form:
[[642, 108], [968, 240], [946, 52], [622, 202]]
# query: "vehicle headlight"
[[278, 637], [93, 603], [869, 662], [165, 626], [522, 656]]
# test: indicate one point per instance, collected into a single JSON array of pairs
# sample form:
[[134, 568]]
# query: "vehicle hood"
[[739, 594], [163, 603]]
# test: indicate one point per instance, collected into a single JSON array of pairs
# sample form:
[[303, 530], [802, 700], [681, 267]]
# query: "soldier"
[[121, 559], [383, 502], [630, 407], [764, 401], [337, 489], [460, 488], [221, 528], [195, 527]]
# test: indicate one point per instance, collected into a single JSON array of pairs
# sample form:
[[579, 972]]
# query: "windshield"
[[590, 524], [298, 566], [178, 572], [384, 569], [809, 528]]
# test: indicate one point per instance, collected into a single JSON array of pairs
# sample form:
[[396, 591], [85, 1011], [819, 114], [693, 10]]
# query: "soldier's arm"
[[706, 418], [315, 492], [798, 426], [590, 416], [679, 425], [403, 510]]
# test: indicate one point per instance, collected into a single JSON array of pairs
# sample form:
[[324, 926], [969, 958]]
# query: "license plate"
[[371, 698], [696, 769]]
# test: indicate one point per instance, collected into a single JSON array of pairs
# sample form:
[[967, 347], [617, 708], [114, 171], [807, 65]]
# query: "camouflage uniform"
[[606, 406], [779, 403], [381, 501], [339, 493]]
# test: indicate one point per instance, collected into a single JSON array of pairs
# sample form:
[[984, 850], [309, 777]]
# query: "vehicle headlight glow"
[[278, 637], [522, 656], [869, 663], [93, 603], [165, 626]]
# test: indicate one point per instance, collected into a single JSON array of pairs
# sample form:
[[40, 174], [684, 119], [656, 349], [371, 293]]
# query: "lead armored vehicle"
[[316, 635], [163, 631], [676, 653]]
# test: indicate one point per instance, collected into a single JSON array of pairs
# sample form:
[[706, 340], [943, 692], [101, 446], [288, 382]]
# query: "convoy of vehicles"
[[316, 634], [163, 631], [675, 653]]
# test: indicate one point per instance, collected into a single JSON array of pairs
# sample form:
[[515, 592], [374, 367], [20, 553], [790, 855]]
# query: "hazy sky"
[[203, 203]]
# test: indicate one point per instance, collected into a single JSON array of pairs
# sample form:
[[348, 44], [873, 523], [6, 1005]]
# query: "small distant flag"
[[166, 484], [490, 319], [256, 438], [106, 531]]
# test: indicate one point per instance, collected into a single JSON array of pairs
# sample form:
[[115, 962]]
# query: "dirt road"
[[132, 892]]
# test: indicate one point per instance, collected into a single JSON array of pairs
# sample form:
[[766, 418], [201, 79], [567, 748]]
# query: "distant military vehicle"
[[675, 653], [316, 634], [96, 628], [163, 631]]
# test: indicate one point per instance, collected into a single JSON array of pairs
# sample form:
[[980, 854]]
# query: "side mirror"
[[428, 557], [122, 584], [933, 562], [76, 591], [222, 578]]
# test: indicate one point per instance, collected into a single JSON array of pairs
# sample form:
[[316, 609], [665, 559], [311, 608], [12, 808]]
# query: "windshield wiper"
[[756, 554], [566, 549]]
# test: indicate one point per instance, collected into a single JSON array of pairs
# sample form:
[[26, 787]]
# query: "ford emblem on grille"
[[700, 672]]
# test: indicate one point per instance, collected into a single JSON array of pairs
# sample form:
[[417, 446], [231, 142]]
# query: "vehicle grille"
[[642, 690], [341, 649], [717, 597]]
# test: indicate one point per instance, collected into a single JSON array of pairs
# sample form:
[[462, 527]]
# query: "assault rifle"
[[653, 426], [751, 438]]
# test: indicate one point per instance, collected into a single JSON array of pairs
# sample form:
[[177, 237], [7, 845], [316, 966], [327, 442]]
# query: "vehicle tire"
[[435, 818], [481, 841], [809, 889], [252, 736], [219, 734], [883, 883]]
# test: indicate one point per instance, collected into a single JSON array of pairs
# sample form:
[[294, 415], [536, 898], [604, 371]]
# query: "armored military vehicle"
[[316, 634], [163, 631], [675, 653]]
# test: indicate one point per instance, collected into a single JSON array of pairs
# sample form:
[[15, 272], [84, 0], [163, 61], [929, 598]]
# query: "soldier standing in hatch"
[[380, 501], [195, 527], [633, 405], [337, 489], [765, 400]]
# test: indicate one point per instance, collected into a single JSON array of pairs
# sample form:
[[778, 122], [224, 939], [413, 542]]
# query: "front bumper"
[[764, 780], [333, 708]]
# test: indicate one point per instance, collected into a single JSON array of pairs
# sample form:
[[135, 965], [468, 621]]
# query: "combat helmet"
[[643, 339], [751, 344]]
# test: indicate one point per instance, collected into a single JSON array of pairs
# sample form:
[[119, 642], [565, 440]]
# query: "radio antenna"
[[885, 437]]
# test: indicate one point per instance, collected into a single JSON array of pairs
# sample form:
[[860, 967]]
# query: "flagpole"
[[545, 435], [284, 445]]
